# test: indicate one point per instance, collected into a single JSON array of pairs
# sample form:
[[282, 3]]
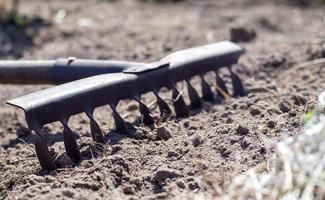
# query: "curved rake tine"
[[207, 93], [145, 112], [96, 131], [181, 109], [163, 106], [193, 95], [120, 124], [70, 142], [221, 84], [43, 154], [239, 90]]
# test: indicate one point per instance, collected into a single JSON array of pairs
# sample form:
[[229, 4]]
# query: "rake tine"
[[70, 142], [96, 131], [181, 109], [239, 90], [120, 124], [145, 112], [221, 84], [194, 96], [207, 93], [163, 106], [43, 154]]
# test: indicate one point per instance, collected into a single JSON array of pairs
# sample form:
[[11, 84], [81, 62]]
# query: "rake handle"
[[57, 71]]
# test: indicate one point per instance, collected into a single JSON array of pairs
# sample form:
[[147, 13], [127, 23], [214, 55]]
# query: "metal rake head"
[[59, 103]]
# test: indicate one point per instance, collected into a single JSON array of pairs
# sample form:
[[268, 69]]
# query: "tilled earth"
[[198, 154]]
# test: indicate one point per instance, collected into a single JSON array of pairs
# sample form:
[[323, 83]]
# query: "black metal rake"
[[97, 83]]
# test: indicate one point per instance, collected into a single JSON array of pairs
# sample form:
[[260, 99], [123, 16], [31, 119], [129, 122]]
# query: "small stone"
[[163, 133], [197, 140], [243, 32], [271, 124], [242, 130]]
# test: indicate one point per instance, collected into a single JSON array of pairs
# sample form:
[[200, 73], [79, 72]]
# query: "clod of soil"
[[163, 174], [243, 32], [271, 124], [242, 130], [163, 133]]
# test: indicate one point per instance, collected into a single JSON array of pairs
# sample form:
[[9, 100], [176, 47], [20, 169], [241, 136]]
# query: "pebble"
[[242, 130], [243, 32], [163, 133], [271, 124]]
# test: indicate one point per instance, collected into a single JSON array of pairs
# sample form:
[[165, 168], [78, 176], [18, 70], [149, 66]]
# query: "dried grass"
[[297, 170]]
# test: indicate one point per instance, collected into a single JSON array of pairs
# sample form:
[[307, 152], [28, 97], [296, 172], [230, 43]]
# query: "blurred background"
[[140, 29]]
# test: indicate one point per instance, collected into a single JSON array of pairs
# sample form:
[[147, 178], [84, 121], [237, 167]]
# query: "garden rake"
[[88, 84]]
